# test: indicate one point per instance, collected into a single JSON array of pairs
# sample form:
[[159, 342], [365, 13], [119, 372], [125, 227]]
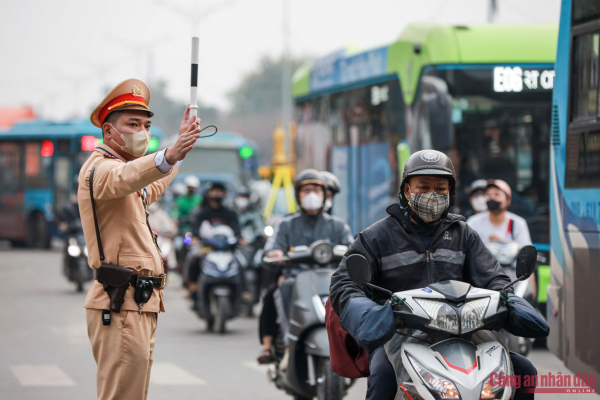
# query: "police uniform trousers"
[[124, 352]]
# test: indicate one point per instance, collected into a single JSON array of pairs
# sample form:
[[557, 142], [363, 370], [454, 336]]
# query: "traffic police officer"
[[125, 182]]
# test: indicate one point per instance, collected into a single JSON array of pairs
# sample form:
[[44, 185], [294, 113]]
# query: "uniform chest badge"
[[137, 91], [446, 236]]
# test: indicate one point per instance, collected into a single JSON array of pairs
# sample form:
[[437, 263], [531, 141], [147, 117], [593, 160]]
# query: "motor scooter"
[[75, 261], [220, 283], [446, 362], [309, 371], [251, 250]]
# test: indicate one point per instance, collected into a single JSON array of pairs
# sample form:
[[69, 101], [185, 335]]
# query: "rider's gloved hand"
[[369, 323], [523, 320]]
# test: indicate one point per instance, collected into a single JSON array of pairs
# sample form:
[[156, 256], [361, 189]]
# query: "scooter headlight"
[[491, 388], [323, 253], [269, 230], [472, 313], [85, 251], [443, 317], [74, 250], [441, 386]]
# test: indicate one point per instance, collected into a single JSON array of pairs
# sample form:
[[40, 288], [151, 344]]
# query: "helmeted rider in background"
[[215, 213], [212, 214], [249, 218], [417, 244], [333, 187], [187, 203], [301, 228]]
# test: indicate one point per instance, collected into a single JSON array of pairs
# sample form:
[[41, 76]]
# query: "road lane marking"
[[256, 367], [165, 373], [41, 375]]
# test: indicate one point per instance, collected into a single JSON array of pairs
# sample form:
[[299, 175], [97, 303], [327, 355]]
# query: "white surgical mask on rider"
[[241, 203], [135, 144], [479, 203], [312, 201], [328, 205]]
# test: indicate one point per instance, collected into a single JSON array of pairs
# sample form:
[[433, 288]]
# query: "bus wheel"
[[37, 232]]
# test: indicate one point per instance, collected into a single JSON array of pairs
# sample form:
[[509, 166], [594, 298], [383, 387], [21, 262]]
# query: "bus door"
[[64, 182], [12, 208]]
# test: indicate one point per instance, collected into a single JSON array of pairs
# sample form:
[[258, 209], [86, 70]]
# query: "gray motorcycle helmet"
[[332, 182], [428, 163]]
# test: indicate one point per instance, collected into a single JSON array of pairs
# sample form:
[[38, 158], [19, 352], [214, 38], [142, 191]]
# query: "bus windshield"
[[501, 122], [215, 160]]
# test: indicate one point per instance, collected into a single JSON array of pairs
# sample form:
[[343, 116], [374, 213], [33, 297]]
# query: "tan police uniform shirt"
[[126, 239]]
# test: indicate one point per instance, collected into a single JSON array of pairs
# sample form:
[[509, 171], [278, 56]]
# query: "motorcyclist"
[[185, 204], [333, 187], [215, 212], [498, 224], [417, 244], [301, 228]]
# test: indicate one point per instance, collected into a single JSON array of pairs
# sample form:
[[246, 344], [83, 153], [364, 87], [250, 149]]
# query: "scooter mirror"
[[526, 260], [358, 269]]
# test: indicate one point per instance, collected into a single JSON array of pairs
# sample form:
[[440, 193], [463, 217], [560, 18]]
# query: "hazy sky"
[[58, 55]]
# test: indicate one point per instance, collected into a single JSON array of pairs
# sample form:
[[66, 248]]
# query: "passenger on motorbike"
[[417, 244], [498, 224], [302, 228], [333, 187], [477, 197], [250, 220]]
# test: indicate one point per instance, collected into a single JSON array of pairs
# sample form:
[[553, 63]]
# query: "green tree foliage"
[[260, 90]]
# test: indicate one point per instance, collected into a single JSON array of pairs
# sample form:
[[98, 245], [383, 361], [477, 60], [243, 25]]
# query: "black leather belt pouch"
[[143, 290], [115, 280]]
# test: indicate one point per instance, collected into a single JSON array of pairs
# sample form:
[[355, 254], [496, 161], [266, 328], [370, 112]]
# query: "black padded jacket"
[[399, 261]]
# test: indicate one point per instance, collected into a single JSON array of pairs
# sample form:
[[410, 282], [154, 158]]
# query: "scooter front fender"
[[316, 342]]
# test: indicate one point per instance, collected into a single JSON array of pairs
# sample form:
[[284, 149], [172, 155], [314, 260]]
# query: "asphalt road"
[[45, 352]]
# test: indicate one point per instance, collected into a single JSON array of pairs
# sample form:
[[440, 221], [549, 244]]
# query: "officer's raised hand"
[[189, 132]]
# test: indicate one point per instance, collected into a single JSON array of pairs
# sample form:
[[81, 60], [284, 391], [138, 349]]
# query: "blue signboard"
[[338, 70]]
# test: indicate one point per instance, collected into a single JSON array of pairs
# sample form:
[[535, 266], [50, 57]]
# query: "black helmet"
[[309, 177], [215, 185], [428, 163], [332, 182]]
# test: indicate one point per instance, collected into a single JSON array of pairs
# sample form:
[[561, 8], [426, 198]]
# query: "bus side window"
[[583, 132], [37, 166]]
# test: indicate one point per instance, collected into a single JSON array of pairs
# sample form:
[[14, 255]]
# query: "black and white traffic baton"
[[194, 85]]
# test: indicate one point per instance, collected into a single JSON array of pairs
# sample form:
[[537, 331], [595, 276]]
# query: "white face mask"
[[479, 203], [241, 203], [312, 202], [136, 144], [328, 205]]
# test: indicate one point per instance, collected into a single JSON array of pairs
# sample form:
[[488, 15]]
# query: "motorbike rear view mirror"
[[360, 272], [358, 269], [526, 261]]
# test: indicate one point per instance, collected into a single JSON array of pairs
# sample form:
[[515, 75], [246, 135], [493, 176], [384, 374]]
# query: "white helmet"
[[178, 189], [192, 181]]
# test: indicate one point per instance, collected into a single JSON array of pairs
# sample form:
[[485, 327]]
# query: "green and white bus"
[[480, 93]]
